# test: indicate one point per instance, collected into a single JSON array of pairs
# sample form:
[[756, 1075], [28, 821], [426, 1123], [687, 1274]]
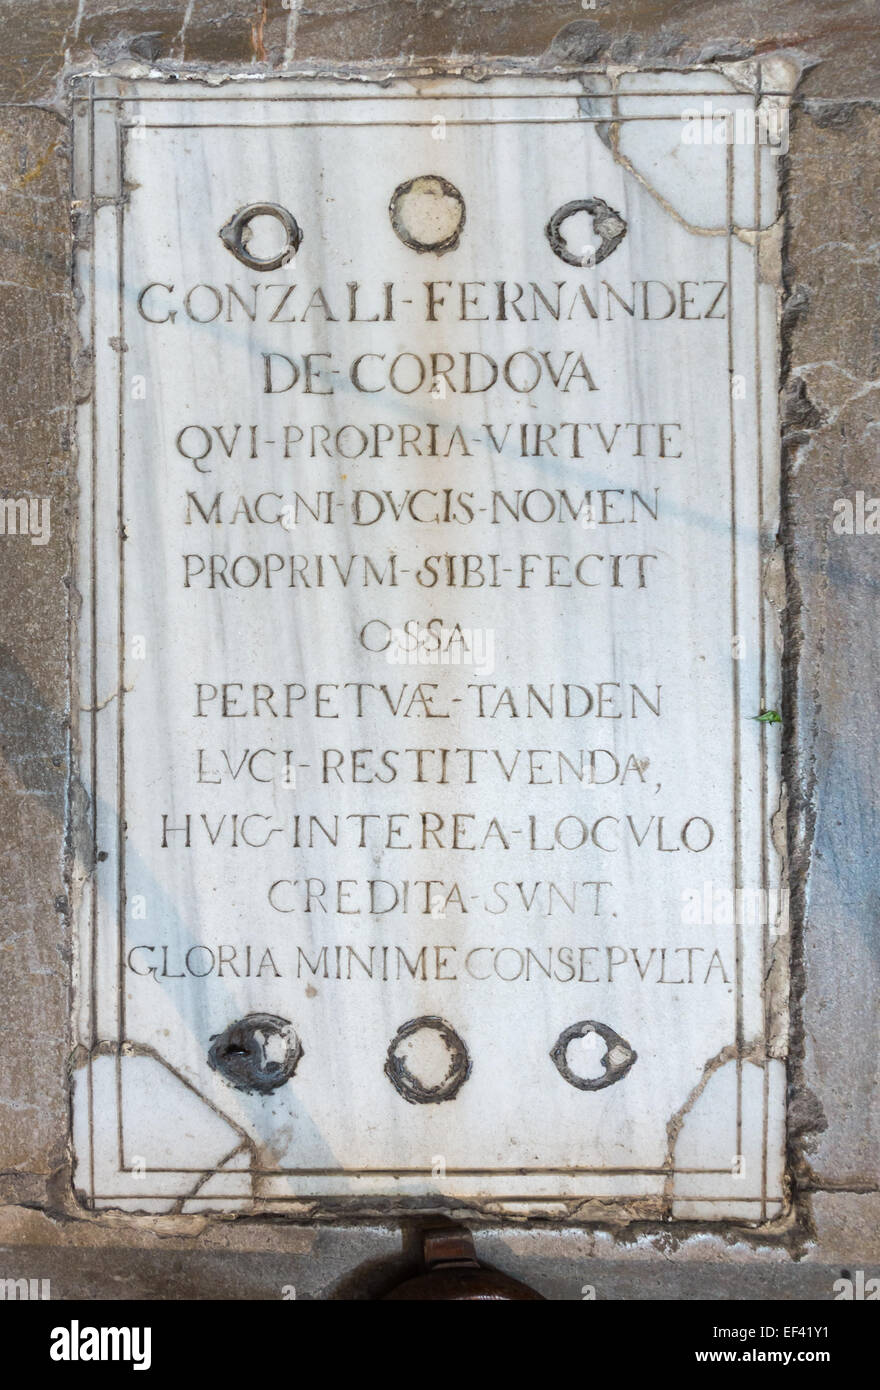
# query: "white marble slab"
[[372, 922]]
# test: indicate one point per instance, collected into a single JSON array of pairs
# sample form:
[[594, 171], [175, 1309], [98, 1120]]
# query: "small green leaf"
[[770, 716]]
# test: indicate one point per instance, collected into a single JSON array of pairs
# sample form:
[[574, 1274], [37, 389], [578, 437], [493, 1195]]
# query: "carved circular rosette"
[[427, 1079], [236, 234], [257, 1053], [617, 1061], [428, 214], [608, 226]]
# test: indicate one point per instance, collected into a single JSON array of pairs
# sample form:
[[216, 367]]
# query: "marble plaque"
[[428, 659]]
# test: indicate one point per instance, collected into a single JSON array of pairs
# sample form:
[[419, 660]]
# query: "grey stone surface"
[[251, 1261], [35, 444], [831, 714], [831, 453], [839, 41]]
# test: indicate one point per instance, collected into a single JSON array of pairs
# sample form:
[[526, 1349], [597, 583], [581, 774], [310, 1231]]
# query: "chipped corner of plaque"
[[137, 1163], [703, 1178], [771, 81], [776, 74]]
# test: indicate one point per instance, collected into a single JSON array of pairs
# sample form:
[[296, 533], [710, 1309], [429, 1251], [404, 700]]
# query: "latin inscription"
[[427, 651]]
